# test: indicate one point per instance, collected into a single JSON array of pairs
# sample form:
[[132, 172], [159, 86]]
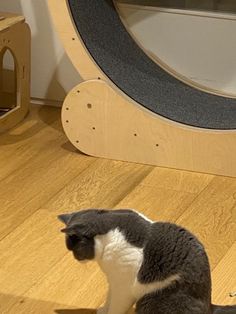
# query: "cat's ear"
[[65, 218], [69, 230], [80, 229], [76, 229]]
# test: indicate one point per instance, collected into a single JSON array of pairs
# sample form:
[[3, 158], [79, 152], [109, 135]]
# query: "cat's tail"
[[217, 309]]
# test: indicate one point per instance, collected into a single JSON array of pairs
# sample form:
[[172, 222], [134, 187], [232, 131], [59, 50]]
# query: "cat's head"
[[80, 230], [83, 227]]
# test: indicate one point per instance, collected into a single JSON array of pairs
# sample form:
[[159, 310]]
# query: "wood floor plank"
[[40, 119], [224, 278], [103, 183], [83, 285], [37, 306], [172, 203], [25, 155], [178, 180], [42, 177], [27, 189], [29, 143], [158, 204], [40, 245], [25, 252], [166, 193], [212, 217]]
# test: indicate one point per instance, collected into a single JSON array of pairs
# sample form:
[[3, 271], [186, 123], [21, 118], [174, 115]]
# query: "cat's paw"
[[102, 310]]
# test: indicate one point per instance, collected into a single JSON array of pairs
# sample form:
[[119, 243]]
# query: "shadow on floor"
[[32, 125], [79, 311], [70, 148], [21, 304], [84, 311], [51, 116]]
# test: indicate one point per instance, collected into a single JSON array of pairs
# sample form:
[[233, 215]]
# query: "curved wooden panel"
[[72, 42], [111, 49], [84, 63], [101, 122]]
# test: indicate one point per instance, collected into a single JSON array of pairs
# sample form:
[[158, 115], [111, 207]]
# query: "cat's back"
[[170, 250], [171, 241]]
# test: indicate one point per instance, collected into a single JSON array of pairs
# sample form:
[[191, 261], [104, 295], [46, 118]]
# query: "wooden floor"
[[41, 175]]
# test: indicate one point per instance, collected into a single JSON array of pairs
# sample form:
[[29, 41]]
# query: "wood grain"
[[212, 216], [18, 141], [25, 172], [47, 177], [143, 136], [9, 19], [224, 279]]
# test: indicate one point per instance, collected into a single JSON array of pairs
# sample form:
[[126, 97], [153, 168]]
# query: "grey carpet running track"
[[126, 64]]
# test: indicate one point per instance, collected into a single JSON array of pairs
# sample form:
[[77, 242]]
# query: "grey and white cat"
[[160, 267]]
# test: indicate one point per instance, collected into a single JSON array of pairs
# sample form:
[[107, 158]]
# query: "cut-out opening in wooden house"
[[8, 81]]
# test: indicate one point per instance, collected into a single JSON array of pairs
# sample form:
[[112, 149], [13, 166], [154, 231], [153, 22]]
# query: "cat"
[[159, 266]]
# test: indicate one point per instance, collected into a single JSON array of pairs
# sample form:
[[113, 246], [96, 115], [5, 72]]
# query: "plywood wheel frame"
[[102, 123]]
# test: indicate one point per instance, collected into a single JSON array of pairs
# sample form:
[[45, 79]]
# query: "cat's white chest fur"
[[117, 258], [121, 261]]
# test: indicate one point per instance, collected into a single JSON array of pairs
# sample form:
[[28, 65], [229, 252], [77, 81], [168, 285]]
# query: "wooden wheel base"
[[102, 122]]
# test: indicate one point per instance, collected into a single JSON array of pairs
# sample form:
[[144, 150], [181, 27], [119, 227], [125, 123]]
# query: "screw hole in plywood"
[[157, 145], [67, 108], [78, 91], [73, 38], [94, 128], [67, 121], [89, 106], [135, 134], [77, 141]]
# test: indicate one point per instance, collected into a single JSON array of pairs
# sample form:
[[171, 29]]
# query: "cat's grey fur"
[[167, 250]]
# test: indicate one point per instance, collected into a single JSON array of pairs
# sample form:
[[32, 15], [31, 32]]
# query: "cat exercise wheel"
[[129, 108]]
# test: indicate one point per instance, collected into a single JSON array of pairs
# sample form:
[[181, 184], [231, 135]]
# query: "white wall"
[[199, 47], [53, 75]]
